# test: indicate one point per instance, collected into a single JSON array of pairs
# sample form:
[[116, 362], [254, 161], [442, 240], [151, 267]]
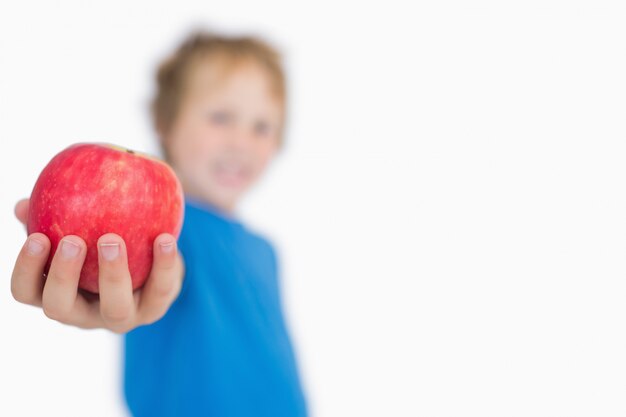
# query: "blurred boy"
[[218, 346]]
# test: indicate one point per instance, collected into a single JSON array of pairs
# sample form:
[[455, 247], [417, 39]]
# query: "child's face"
[[225, 134]]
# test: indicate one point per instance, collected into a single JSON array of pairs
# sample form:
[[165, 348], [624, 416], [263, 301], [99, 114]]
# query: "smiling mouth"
[[231, 174]]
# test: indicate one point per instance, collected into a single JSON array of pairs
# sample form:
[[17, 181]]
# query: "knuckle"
[[55, 313], [19, 294], [163, 289], [119, 328], [153, 317], [165, 265], [116, 318], [62, 277], [113, 277]]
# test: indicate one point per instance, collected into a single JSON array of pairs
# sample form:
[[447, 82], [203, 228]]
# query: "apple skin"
[[90, 189]]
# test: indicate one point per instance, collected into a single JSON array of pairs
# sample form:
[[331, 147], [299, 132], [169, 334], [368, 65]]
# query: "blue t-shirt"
[[222, 349]]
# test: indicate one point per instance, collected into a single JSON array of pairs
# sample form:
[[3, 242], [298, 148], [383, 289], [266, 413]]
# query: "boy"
[[216, 343]]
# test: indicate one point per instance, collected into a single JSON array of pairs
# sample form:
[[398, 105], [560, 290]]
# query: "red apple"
[[92, 189]]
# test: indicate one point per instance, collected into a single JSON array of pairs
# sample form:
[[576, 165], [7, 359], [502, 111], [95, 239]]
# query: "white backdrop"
[[450, 208]]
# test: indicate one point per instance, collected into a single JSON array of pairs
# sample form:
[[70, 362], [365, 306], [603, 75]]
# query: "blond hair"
[[173, 73]]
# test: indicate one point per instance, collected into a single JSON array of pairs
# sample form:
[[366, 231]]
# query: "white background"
[[450, 208]]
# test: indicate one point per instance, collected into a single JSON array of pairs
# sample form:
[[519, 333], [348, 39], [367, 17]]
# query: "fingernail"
[[34, 247], [69, 249], [110, 251], [167, 247]]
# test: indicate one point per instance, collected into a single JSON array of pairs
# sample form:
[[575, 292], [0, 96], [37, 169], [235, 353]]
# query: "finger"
[[117, 305], [27, 280], [60, 290], [21, 210], [164, 282]]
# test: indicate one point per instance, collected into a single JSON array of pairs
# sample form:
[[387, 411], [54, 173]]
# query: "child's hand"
[[118, 308]]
